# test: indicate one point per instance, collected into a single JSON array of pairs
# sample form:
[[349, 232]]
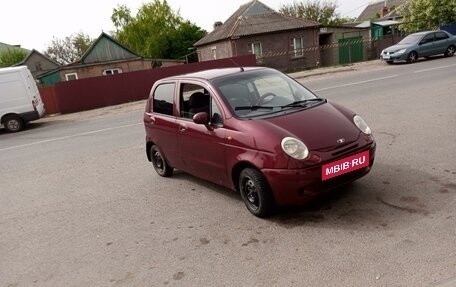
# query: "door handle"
[[149, 118], [182, 127]]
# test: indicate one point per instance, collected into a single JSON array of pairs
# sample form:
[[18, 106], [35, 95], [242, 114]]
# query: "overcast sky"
[[33, 24]]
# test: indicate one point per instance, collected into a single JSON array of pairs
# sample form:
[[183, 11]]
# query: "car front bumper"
[[298, 186], [393, 56]]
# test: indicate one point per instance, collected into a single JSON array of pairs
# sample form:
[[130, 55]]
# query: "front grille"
[[345, 150]]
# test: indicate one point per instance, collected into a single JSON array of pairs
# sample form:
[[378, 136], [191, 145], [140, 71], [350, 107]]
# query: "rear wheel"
[[412, 57], [13, 124], [159, 162], [256, 193], [450, 51]]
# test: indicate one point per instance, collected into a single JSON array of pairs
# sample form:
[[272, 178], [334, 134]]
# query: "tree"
[[323, 12], [11, 57], [426, 14], [156, 31], [182, 42], [69, 49]]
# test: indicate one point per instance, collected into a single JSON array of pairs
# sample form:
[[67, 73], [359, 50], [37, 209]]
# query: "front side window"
[[195, 99], [297, 45], [163, 99], [428, 38]]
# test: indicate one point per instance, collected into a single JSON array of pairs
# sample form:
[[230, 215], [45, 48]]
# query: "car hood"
[[325, 126], [397, 47]]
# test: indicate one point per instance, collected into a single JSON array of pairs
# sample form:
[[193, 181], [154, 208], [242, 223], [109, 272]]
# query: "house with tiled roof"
[[381, 17], [381, 10], [105, 57], [277, 40], [38, 63]]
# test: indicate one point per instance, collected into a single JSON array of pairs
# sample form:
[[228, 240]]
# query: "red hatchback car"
[[257, 131]]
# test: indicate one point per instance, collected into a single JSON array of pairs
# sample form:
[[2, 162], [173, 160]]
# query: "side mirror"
[[202, 118]]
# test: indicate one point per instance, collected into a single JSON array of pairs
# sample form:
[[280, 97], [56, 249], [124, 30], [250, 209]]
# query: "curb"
[[332, 70]]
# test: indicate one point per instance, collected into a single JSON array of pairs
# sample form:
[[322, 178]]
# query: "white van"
[[20, 100]]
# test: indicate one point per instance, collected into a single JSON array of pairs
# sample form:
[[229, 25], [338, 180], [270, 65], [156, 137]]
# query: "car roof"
[[215, 73], [427, 32]]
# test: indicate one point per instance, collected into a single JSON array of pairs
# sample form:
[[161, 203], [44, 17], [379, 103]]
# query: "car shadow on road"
[[389, 197], [183, 177]]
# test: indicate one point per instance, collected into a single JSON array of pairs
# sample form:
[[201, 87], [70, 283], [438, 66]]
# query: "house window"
[[112, 71], [297, 46], [214, 53], [71, 76], [38, 67], [258, 51]]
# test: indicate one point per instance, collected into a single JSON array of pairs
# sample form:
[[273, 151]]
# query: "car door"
[[426, 47], [160, 122], [202, 148], [441, 42]]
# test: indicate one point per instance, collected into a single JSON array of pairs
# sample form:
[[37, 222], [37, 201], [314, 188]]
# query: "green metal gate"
[[351, 50]]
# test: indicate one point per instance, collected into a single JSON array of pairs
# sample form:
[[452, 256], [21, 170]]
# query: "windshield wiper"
[[253, 108], [303, 102]]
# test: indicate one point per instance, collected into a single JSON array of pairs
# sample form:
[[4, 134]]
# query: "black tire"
[[412, 57], [13, 124], [159, 162], [450, 51], [256, 193]]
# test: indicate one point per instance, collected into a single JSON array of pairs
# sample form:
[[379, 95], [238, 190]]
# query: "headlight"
[[294, 148], [361, 124], [401, 51]]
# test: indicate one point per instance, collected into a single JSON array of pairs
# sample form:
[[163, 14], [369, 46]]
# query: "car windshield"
[[262, 92], [410, 39]]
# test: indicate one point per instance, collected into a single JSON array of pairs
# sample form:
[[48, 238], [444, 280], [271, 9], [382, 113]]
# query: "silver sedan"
[[421, 44]]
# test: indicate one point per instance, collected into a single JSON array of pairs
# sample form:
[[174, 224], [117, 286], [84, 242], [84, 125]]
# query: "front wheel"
[[412, 57], [450, 51], [255, 193], [13, 124], [159, 162]]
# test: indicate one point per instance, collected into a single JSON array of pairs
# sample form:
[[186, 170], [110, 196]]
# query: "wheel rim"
[[451, 51], [158, 161], [251, 193], [413, 57], [13, 125]]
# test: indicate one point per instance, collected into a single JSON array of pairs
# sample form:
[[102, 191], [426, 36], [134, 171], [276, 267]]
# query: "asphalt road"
[[81, 206]]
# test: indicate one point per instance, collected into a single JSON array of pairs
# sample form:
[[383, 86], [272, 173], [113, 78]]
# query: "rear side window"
[[164, 99], [440, 36]]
